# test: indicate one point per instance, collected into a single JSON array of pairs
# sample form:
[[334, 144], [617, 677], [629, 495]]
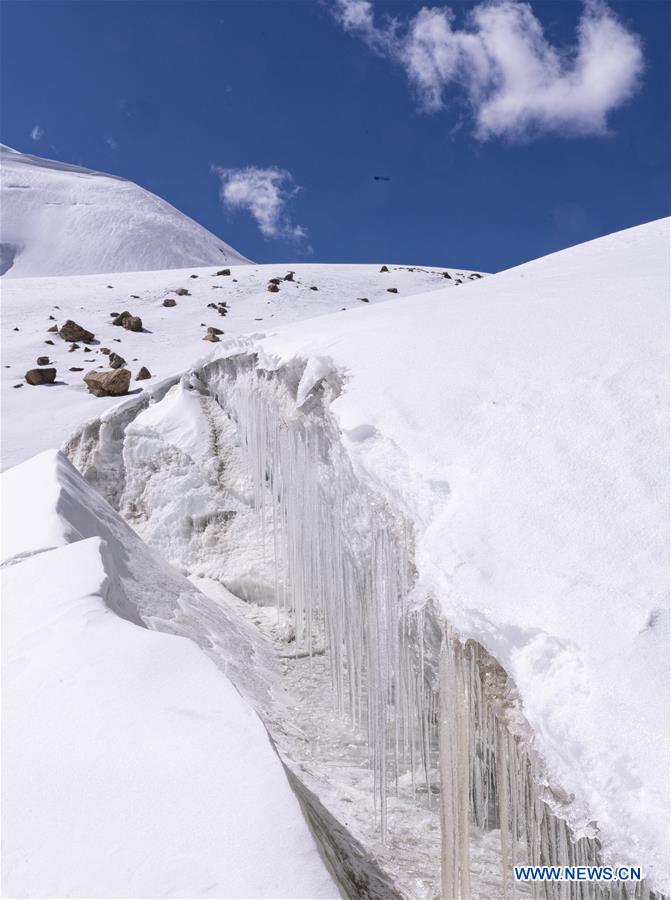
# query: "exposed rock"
[[120, 318], [169, 301], [143, 374], [116, 361], [133, 323], [73, 347], [15, 329], [17, 385], [224, 272], [52, 330], [392, 290], [193, 276], [273, 288], [108, 384], [211, 305], [105, 350], [364, 299], [447, 275], [76, 369], [52, 318], [314, 288], [71, 331], [213, 330], [51, 343], [289, 276], [40, 376], [135, 296], [182, 292], [274, 280], [113, 314], [42, 360], [211, 337], [110, 285], [384, 269]]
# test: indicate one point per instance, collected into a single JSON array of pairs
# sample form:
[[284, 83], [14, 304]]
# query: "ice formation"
[[253, 450]]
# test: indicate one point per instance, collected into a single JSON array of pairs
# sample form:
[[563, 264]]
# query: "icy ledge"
[[127, 755], [240, 474]]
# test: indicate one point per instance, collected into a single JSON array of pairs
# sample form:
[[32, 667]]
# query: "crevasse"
[[337, 562]]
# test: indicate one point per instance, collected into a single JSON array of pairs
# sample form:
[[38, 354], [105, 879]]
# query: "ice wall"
[[260, 493]]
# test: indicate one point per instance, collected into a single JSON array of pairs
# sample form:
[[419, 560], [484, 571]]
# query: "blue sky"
[[189, 99]]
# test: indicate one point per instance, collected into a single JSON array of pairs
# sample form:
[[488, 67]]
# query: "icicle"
[[344, 575]]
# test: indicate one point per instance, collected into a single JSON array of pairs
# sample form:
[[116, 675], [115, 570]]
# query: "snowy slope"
[[527, 442], [40, 417], [59, 219], [131, 767], [518, 424]]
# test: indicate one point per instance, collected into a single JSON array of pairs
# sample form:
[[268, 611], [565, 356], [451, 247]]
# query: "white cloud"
[[111, 143], [516, 83], [37, 133], [264, 193]]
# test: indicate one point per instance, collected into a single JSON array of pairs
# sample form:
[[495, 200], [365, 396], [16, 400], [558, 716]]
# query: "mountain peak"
[[63, 219]]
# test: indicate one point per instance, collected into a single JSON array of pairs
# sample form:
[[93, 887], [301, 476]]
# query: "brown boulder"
[[384, 269], [182, 292], [211, 337], [108, 384], [42, 360], [53, 329], [143, 374], [116, 361], [273, 288], [133, 323], [213, 330], [169, 302], [40, 376], [224, 272], [71, 331]]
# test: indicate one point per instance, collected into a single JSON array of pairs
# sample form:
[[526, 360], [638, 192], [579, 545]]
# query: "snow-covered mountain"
[[59, 219]]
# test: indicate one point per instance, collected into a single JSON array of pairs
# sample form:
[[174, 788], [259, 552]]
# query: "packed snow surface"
[[37, 418], [59, 219], [521, 424], [131, 767]]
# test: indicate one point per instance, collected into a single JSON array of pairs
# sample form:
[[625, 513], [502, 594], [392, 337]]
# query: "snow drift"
[[59, 219], [515, 488], [131, 765]]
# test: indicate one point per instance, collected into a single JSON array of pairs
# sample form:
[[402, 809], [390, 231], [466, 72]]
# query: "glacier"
[[460, 666]]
